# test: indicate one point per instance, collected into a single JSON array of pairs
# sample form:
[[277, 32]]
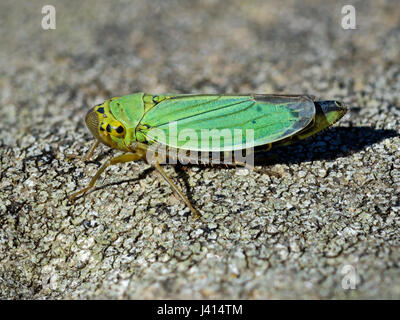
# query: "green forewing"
[[271, 117]]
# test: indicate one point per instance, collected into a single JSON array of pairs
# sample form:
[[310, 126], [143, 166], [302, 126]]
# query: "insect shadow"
[[333, 143]]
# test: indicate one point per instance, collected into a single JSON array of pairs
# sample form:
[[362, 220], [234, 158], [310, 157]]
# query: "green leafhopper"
[[187, 125]]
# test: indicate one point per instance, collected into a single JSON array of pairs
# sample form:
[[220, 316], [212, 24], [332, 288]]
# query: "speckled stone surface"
[[334, 207]]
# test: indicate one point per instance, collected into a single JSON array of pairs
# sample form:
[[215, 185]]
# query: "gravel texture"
[[333, 212]]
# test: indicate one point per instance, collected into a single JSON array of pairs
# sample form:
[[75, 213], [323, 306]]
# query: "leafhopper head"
[[105, 128]]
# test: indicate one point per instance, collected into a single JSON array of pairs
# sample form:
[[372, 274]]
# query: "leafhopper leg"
[[175, 188], [88, 154], [126, 157], [262, 171]]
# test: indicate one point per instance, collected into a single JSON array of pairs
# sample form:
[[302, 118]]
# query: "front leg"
[[88, 154], [126, 157]]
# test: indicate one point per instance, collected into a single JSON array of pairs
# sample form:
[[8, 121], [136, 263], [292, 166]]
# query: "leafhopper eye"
[[120, 129], [92, 121]]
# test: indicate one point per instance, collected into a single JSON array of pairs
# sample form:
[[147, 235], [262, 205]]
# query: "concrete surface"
[[331, 217]]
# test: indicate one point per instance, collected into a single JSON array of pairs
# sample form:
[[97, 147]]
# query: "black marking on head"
[[120, 129], [100, 110], [108, 128], [101, 129], [155, 99], [253, 122]]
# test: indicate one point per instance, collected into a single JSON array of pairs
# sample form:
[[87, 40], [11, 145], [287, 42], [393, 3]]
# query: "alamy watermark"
[[49, 18], [349, 17], [349, 280]]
